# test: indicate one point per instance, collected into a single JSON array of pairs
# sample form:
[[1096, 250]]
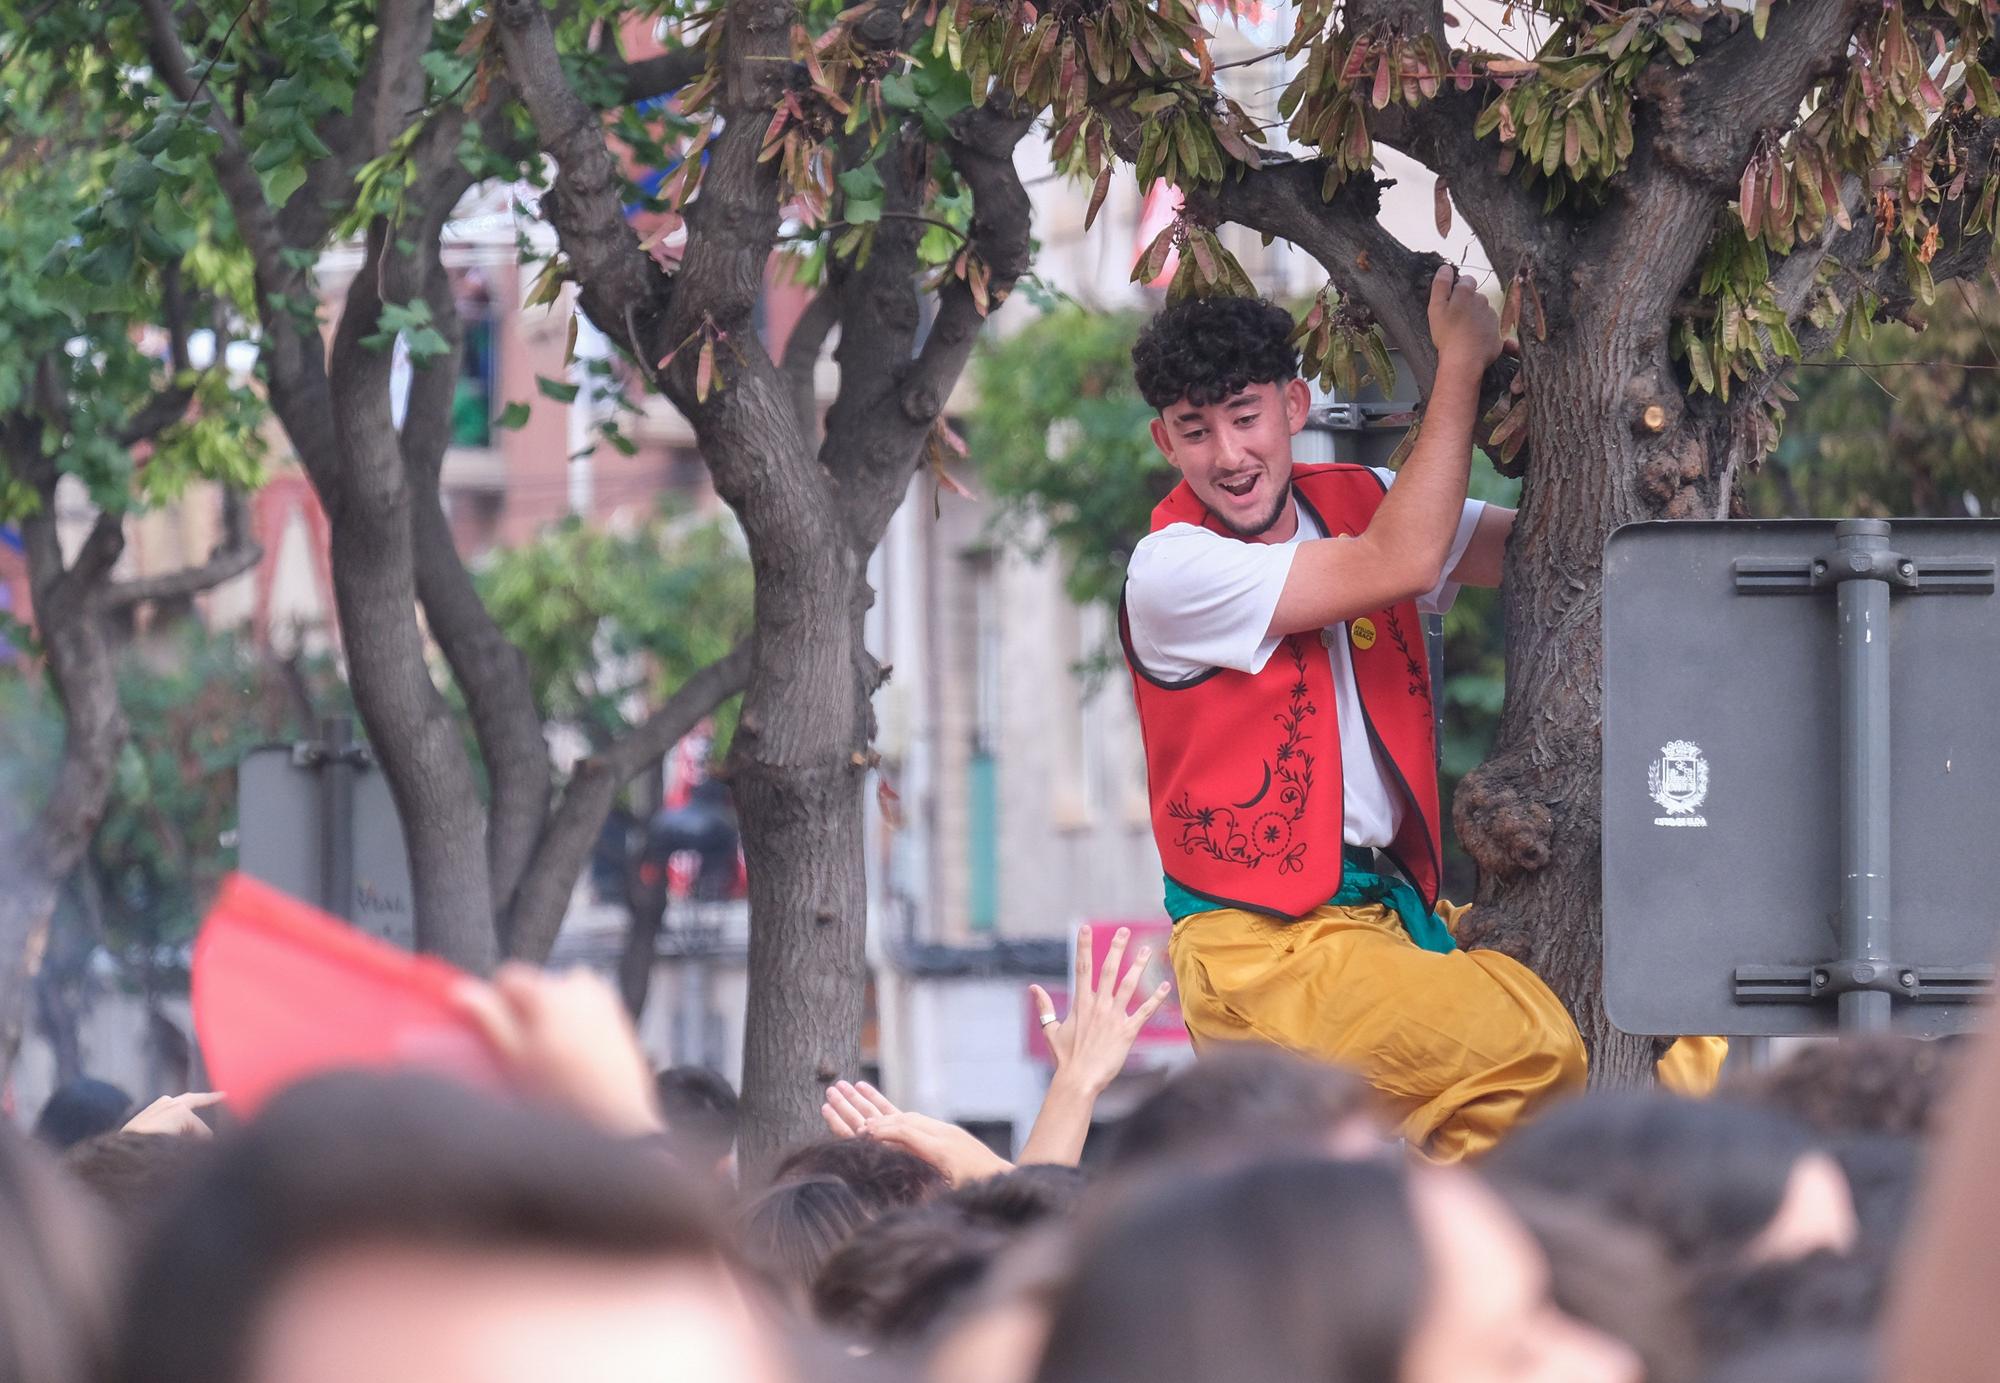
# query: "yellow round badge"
[[1362, 632]]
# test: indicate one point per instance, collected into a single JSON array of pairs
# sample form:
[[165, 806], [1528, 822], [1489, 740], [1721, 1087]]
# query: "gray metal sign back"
[[1801, 775], [316, 820]]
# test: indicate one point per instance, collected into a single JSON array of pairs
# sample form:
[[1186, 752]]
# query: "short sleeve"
[[1197, 600], [1439, 598]]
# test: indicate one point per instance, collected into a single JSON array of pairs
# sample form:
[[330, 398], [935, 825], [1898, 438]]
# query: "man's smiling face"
[[1236, 453]]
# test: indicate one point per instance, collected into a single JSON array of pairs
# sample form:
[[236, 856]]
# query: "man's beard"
[[1270, 520]]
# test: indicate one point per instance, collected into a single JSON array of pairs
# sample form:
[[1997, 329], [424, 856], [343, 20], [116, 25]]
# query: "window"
[[478, 364]]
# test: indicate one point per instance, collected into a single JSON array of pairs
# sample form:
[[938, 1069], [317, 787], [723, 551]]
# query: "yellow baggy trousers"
[[1460, 1046]]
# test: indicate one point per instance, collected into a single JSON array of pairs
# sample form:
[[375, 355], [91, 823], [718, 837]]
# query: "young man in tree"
[[1272, 620]]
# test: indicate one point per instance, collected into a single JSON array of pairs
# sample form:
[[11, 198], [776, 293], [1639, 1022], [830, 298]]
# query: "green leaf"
[[864, 182], [513, 416], [281, 183], [556, 389]]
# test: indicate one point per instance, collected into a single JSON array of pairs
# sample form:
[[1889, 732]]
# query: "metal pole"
[[1863, 614], [336, 816]]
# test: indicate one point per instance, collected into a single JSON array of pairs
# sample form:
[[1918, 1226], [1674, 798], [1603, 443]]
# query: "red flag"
[[282, 991]]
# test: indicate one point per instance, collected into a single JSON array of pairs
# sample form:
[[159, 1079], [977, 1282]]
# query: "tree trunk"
[[365, 491], [1531, 816], [491, 673], [796, 772]]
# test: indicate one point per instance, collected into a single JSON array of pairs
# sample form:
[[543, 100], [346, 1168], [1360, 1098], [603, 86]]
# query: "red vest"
[[1243, 770]]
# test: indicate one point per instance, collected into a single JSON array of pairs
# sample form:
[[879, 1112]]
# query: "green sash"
[[1359, 885]]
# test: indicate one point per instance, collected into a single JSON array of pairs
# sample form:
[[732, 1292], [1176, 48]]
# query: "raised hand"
[[1463, 323], [947, 1147], [1091, 1044], [849, 1106], [175, 1115], [566, 1038]]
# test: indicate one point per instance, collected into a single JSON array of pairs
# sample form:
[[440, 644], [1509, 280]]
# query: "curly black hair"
[[1206, 349]]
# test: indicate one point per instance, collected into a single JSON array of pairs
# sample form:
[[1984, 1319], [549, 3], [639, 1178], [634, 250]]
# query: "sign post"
[[315, 820]]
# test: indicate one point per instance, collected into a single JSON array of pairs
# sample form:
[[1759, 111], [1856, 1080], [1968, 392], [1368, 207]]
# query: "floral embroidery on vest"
[[1420, 685], [1217, 831]]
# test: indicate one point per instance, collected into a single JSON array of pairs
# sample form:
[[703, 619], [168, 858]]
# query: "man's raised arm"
[[1402, 552]]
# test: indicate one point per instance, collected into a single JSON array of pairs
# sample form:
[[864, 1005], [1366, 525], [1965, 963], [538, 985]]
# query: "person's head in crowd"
[[1246, 1100], [788, 1232], [701, 1114], [1867, 1083], [55, 1291], [997, 1334], [1713, 1180], [404, 1228], [1616, 1278], [1822, 1293], [884, 1177], [80, 1109], [899, 1275], [1223, 376], [1020, 1199], [133, 1177], [1319, 1271]]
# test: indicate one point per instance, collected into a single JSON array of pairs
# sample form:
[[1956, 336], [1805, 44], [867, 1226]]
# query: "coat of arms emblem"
[[1678, 779]]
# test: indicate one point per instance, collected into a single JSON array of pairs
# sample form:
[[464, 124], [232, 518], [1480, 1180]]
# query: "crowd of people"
[[1252, 1218]]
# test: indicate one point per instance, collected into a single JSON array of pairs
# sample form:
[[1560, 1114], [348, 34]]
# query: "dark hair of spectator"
[[1614, 1277], [80, 1109], [885, 1178], [1822, 1293], [1869, 1083], [403, 1160], [1284, 1272], [789, 1231], [700, 1109], [1205, 350], [54, 1296], [897, 1277], [135, 1176], [1238, 1098], [1020, 1199], [1705, 1176]]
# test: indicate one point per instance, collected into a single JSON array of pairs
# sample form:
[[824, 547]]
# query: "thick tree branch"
[[1503, 213], [879, 308], [490, 671], [1365, 262], [749, 435], [101, 549], [621, 282], [156, 415], [235, 553], [661, 75], [1708, 117], [1694, 130], [982, 150], [802, 351], [564, 847]]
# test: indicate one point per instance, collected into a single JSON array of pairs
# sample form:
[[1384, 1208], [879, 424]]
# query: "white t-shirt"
[[1196, 599]]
